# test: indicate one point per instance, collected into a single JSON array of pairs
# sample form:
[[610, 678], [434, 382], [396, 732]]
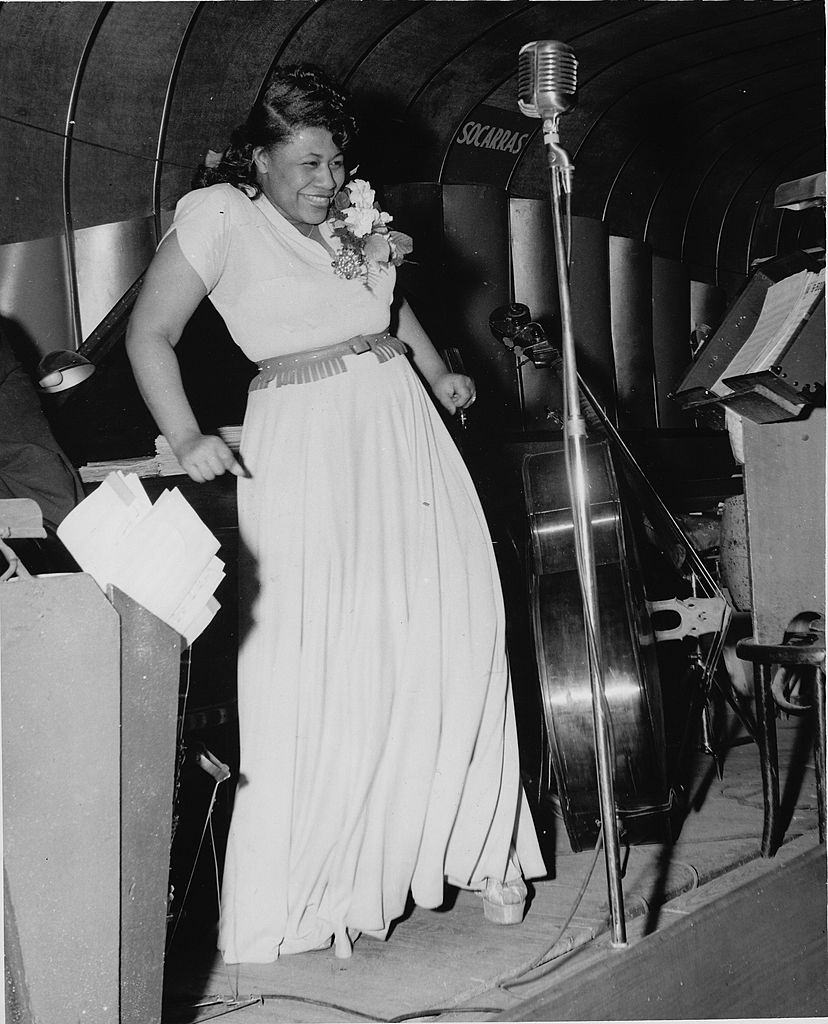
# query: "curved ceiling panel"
[[715, 120], [113, 155], [230, 49], [700, 150], [477, 73], [670, 133], [403, 138], [688, 113], [658, 190], [39, 56], [740, 242], [638, 70]]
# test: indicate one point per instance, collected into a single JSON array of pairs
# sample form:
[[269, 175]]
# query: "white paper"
[[161, 555], [787, 303], [94, 530]]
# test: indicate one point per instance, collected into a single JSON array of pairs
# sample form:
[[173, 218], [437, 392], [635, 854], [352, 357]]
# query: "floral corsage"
[[362, 229]]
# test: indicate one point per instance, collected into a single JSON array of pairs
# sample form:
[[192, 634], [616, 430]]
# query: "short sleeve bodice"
[[275, 288]]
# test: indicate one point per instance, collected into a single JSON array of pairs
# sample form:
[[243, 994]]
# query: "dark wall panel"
[[589, 283], [417, 209], [671, 338], [477, 281], [632, 331], [535, 283], [708, 303]]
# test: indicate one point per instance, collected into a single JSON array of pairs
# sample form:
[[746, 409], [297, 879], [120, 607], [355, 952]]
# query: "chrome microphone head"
[[507, 321], [547, 78]]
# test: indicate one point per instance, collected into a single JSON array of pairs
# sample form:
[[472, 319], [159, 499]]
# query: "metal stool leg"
[[768, 757], [763, 657], [819, 748]]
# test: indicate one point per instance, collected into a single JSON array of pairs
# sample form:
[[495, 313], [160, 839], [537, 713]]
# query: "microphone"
[[547, 78], [514, 328], [507, 321]]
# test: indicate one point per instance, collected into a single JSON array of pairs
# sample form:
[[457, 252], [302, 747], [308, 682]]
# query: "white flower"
[[361, 193], [362, 229], [359, 221]]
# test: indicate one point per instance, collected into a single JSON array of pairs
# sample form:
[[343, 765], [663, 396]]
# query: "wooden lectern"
[[89, 687]]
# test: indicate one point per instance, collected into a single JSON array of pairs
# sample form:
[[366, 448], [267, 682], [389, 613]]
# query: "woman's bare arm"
[[169, 296], [453, 390]]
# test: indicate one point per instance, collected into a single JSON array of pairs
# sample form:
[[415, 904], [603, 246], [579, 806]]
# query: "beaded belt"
[[319, 363]]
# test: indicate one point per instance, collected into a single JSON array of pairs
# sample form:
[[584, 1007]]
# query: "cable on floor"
[[243, 1003], [516, 979], [319, 1002], [228, 1006], [423, 1014], [439, 1010], [519, 976]]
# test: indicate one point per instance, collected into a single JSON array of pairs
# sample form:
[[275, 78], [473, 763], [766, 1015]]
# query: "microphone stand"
[[560, 180]]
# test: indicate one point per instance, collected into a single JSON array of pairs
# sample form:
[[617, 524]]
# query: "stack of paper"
[[786, 305], [163, 463], [161, 555], [168, 464], [93, 472]]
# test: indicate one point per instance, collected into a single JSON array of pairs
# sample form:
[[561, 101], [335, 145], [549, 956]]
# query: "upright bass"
[[631, 680]]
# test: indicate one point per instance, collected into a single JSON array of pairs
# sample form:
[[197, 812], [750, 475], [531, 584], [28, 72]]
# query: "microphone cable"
[[519, 977]]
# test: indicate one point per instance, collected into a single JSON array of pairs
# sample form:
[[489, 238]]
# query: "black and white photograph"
[[412, 511]]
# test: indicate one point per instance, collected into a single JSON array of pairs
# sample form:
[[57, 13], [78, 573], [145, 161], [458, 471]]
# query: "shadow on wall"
[[15, 337], [389, 144]]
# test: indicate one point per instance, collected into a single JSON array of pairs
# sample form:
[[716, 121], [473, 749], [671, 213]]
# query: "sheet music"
[[161, 555], [99, 524], [787, 303]]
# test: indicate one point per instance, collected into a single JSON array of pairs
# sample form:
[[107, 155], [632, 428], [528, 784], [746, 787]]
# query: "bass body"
[[630, 670]]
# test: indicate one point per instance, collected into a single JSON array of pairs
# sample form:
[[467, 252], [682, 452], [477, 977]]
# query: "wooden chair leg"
[[768, 757]]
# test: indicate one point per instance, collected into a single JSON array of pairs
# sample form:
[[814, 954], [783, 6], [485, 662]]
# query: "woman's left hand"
[[454, 391]]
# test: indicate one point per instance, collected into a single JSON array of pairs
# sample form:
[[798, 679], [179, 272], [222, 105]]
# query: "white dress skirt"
[[378, 743]]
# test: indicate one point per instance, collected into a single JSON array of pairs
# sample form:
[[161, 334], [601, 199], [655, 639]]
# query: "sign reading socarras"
[[486, 146]]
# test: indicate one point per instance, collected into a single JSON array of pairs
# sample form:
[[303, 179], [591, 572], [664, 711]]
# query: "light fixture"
[[801, 193], [63, 369]]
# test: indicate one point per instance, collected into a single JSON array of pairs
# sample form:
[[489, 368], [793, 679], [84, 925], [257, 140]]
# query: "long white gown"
[[378, 745]]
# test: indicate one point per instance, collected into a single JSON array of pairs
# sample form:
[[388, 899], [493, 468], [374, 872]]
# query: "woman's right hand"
[[205, 456]]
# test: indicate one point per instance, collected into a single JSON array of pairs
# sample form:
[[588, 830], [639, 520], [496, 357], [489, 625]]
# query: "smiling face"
[[301, 176]]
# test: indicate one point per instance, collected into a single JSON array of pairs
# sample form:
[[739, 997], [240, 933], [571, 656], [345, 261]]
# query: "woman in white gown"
[[378, 745]]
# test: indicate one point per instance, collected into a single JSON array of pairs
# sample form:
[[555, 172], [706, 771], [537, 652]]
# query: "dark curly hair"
[[297, 96]]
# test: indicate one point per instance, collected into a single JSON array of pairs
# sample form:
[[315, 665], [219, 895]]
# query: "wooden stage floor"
[[713, 931]]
